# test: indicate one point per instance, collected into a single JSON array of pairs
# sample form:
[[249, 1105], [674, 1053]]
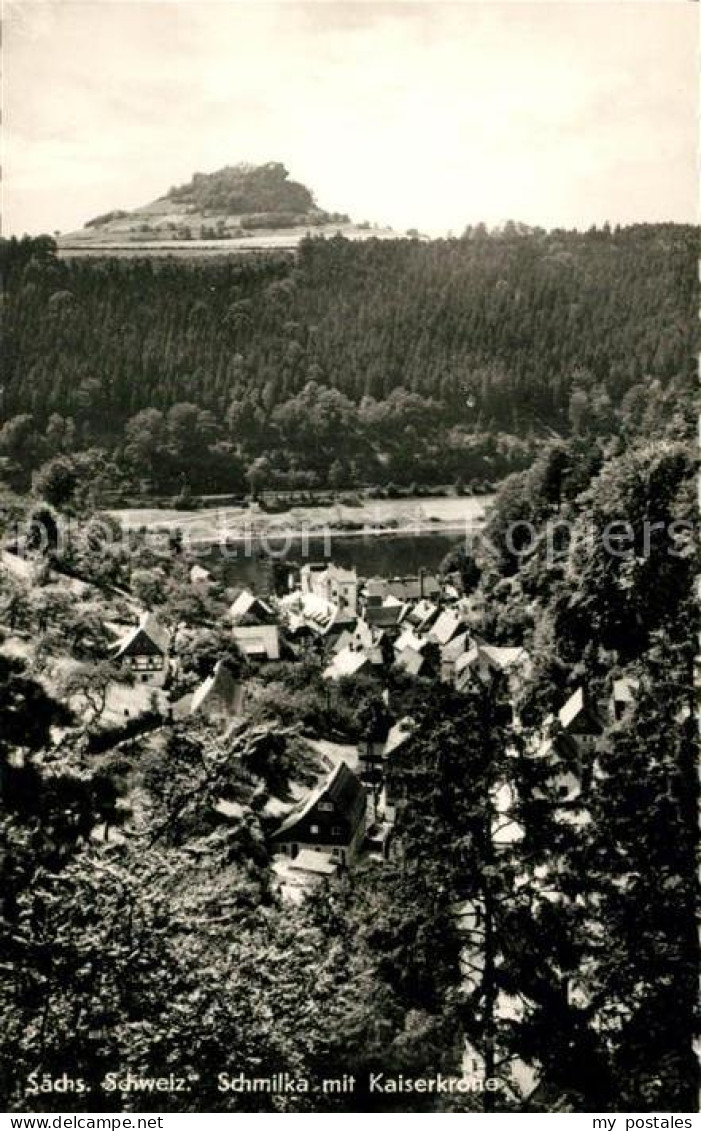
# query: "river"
[[426, 529], [384, 555]]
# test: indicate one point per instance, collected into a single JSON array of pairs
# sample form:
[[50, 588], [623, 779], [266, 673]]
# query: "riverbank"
[[373, 518]]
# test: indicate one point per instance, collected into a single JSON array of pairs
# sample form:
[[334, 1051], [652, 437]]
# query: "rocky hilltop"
[[248, 205]]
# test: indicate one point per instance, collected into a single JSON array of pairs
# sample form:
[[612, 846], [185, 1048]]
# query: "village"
[[347, 811], [422, 625]]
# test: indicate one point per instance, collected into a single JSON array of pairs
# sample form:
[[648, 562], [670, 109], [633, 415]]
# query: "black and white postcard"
[[348, 605]]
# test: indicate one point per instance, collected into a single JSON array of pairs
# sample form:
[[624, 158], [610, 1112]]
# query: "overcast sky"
[[432, 115]]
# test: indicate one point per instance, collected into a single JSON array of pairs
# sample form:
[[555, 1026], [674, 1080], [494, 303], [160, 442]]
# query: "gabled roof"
[[409, 639], [399, 735], [423, 613], [150, 628], [393, 601], [410, 660], [577, 712], [318, 610], [467, 659], [219, 692], [625, 689], [446, 627], [342, 620], [342, 642], [314, 612], [341, 787], [572, 708], [242, 604], [385, 616], [489, 656], [247, 604], [364, 639], [231, 809], [559, 744], [198, 573], [348, 662], [18, 566], [364, 635], [455, 647], [375, 587], [504, 658]]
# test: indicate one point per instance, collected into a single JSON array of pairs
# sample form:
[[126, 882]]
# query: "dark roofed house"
[[255, 627], [569, 773], [573, 740], [580, 719], [220, 696], [386, 616], [330, 820], [251, 609], [144, 650]]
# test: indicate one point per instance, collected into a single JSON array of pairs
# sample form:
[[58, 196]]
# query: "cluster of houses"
[[419, 624], [354, 810]]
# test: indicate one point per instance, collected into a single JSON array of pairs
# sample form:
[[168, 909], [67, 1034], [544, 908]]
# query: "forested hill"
[[245, 188], [228, 204], [394, 360]]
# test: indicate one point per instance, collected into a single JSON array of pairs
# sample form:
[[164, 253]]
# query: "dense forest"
[[346, 363]]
